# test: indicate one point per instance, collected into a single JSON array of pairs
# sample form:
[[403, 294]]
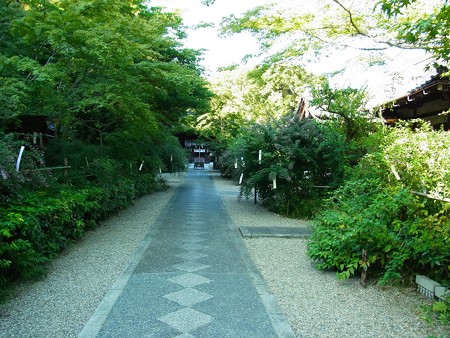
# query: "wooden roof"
[[428, 102]]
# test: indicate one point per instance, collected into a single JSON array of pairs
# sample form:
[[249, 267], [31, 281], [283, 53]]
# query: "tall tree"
[[98, 67], [266, 93]]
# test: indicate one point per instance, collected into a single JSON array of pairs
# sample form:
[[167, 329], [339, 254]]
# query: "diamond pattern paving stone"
[[191, 255], [190, 280], [193, 222], [196, 233], [190, 266], [193, 239], [193, 246], [186, 320], [194, 214], [188, 297]]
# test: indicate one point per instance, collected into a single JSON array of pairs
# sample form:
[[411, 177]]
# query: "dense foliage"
[[14, 181], [299, 158], [243, 98], [39, 216], [394, 208], [38, 225], [106, 73], [304, 151]]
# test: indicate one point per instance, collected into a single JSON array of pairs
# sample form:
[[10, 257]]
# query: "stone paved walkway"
[[191, 277]]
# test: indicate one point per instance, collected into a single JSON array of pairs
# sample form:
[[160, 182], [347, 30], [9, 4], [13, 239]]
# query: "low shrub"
[[379, 221], [438, 311], [145, 184], [13, 181], [36, 227]]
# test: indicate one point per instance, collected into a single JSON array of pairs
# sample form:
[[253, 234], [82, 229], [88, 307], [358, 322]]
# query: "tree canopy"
[[367, 25], [97, 67]]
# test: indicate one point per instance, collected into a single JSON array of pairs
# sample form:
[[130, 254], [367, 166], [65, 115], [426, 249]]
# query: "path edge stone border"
[[94, 324], [279, 322], [279, 232]]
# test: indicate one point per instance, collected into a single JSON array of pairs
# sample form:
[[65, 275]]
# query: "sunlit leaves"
[[269, 24], [421, 158], [402, 232], [346, 105], [393, 7], [100, 67], [430, 32], [303, 32]]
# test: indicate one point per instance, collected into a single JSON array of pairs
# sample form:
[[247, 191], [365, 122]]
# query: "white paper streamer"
[[22, 148]]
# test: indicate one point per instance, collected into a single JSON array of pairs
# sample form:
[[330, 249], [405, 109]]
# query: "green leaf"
[[440, 307]]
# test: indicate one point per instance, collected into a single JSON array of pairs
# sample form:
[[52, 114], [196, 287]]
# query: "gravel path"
[[314, 302]]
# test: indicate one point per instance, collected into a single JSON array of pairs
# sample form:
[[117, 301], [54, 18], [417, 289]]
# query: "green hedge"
[[37, 226]]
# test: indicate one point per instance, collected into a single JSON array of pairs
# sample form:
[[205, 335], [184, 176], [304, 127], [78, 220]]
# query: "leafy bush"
[[378, 211], [118, 190], [78, 154], [173, 156], [420, 156], [438, 311], [37, 227], [297, 155], [146, 183]]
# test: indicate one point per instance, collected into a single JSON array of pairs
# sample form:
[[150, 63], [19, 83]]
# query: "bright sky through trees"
[[219, 52], [404, 71]]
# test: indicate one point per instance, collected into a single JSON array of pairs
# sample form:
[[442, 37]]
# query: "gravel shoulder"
[[315, 303]]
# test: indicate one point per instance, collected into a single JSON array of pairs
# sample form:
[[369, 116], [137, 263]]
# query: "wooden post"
[[363, 280]]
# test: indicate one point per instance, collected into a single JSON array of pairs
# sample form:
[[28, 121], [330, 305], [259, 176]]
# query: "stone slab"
[[282, 232], [441, 292]]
